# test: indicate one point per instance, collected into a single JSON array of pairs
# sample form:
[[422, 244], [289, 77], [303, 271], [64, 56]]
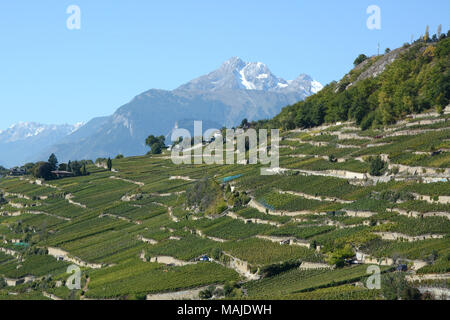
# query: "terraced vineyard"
[[118, 224], [150, 226]]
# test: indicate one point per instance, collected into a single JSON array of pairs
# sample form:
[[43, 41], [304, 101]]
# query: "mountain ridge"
[[225, 96]]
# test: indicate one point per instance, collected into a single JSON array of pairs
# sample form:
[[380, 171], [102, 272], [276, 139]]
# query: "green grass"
[[296, 281], [134, 277], [264, 252]]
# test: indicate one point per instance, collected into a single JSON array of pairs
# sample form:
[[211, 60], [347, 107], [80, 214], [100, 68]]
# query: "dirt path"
[[69, 198], [311, 197], [141, 184]]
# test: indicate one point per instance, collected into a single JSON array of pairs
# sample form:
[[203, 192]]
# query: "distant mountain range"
[[21, 142], [224, 97]]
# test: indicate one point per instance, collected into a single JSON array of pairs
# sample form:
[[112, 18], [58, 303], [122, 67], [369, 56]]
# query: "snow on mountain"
[[21, 141], [25, 130], [223, 97], [238, 74], [316, 86]]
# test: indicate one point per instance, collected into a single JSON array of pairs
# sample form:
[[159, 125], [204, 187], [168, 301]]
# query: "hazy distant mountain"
[[22, 141], [223, 97]]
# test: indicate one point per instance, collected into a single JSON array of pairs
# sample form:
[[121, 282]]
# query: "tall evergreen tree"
[[53, 161], [426, 37], [109, 164]]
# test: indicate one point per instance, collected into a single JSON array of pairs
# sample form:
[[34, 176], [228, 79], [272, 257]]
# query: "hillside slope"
[[145, 228], [381, 90]]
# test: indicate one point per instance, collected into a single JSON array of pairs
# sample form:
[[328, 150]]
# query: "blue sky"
[[50, 74]]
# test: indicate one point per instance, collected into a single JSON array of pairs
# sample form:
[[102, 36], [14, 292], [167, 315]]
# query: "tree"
[[156, 148], [84, 171], [62, 167], [207, 293], [338, 256], [362, 57], [53, 161], [394, 286], [28, 167], [377, 166], [156, 144], [109, 164], [216, 253], [43, 170], [76, 168], [3, 171], [119, 156], [387, 50], [230, 288], [151, 139], [2, 199], [244, 123], [426, 37]]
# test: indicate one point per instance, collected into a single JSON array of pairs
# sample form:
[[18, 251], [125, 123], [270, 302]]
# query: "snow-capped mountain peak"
[[316, 86], [238, 74], [25, 130], [257, 76]]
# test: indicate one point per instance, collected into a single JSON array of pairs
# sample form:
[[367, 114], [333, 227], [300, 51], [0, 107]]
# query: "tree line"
[[50, 169], [418, 80]]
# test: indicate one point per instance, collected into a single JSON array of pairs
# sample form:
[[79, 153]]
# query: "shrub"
[[377, 166], [361, 58], [394, 286], [207, 293]]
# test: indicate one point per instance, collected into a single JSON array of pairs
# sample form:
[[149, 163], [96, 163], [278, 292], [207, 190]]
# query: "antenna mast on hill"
[[378, 48]]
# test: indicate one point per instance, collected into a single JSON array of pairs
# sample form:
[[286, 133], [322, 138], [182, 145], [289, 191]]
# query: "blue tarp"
[[227, 179], [24, 244]]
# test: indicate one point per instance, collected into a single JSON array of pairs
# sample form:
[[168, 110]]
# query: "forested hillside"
[[417, 80]]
